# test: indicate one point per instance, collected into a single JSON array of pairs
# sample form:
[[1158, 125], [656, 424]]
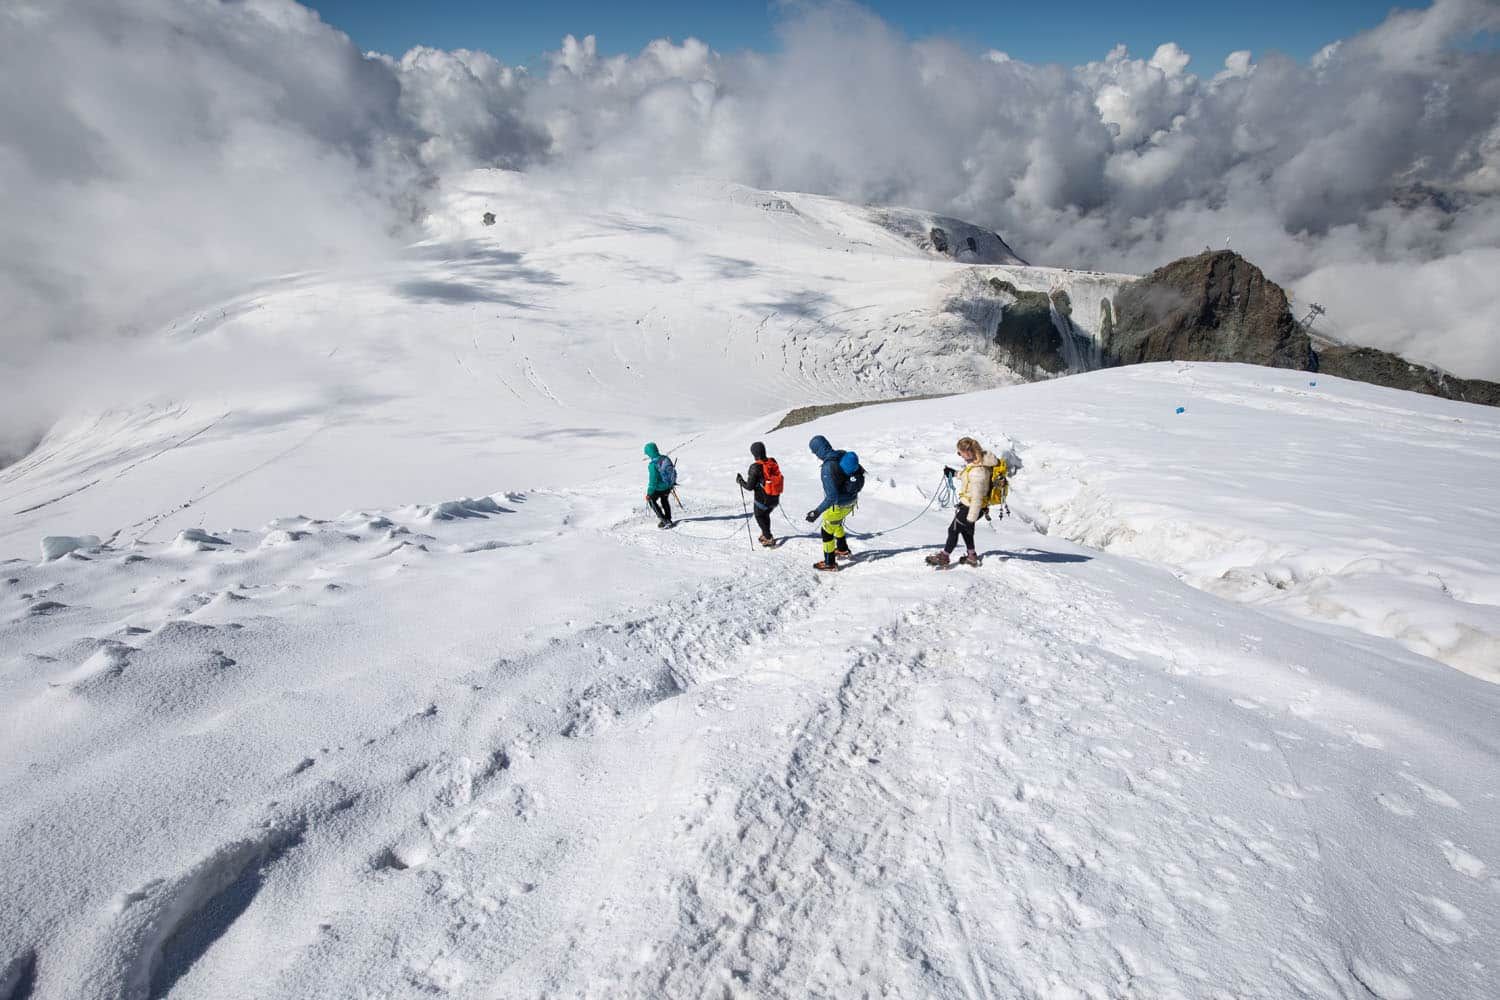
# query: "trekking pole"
[[744, 507]]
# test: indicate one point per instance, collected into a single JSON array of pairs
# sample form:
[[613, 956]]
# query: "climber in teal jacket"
[[661, 476]]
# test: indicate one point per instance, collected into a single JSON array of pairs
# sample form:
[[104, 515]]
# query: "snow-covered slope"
[[582, 321], [308, 723]]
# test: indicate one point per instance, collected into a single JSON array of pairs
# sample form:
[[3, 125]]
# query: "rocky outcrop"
[[807, 414], [1216, 306], [1366, 364], [1036, 336], [948, 237]]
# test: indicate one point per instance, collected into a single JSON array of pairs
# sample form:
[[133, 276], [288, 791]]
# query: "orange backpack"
[[772, 482]]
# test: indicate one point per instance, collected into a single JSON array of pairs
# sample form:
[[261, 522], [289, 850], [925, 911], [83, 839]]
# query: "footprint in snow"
[[1288, 790], [1394, 803], [1462, 861], [1432, 793], [1437, 920], [1378, 982]]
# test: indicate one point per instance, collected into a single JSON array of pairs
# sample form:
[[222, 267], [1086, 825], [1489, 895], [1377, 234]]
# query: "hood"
[[758, 452], [849, 463], [820, 447], [651, 451], [988, 460]]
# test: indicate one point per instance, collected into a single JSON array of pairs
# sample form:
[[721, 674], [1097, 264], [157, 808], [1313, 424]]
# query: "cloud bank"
[[1368, 177], [162, 152]]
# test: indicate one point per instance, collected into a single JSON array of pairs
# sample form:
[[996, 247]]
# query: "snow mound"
[[197, 540], [451, 510], [1312, 501], [57, 546]]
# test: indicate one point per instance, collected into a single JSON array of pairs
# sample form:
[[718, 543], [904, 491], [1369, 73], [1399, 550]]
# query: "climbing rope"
[[710, 538], [943, 496]]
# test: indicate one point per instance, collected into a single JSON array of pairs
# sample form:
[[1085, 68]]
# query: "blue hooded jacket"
[[831, 458]]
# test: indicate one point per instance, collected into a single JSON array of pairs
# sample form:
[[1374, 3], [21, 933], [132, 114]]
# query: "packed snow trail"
[[1061, 772]]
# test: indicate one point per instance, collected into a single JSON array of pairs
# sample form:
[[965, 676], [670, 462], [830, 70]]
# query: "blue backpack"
[[848, 474], [667, 471]]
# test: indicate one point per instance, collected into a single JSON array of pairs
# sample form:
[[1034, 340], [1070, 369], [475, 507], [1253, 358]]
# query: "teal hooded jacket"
[[654, 481]]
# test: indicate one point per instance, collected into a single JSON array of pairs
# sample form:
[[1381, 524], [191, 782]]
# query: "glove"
[[949, 472], [812, 516], [741, 480]]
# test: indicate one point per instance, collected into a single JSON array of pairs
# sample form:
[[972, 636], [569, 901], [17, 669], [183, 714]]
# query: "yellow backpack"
[[999, 485]]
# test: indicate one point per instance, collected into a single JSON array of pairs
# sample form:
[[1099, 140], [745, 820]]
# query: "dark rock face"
[[1216, 306], [1366, 364], [1034, 341], [952, 238]]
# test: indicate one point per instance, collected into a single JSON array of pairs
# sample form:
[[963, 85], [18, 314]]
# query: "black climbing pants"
[[961, 527], [763, 510], [661, 504]]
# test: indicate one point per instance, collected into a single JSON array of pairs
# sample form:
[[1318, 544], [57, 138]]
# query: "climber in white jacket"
[[973, 495]]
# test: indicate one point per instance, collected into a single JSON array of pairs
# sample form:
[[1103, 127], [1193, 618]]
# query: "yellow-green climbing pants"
[[833, 528]]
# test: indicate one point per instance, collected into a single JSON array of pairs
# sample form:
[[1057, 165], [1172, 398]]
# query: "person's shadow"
[[1002, 555], [875, 555], [1036, 555]]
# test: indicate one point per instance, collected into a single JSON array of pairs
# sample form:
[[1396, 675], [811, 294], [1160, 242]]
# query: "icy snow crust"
[[1193, 729]]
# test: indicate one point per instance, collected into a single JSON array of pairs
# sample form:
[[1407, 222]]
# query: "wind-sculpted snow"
[[526, 744], [458, 719]]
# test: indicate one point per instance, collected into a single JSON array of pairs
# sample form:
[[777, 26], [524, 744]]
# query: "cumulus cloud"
[[163, 151], [1378, 158], [161, 154]]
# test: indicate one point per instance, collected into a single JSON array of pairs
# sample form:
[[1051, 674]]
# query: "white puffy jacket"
[[974, 484]]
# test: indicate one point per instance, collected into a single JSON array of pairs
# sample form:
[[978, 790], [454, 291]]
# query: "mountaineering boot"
[[769, 543], [937, 559], [664, 523], [766, 540], [843, 554], [971, 558], [827, 566]]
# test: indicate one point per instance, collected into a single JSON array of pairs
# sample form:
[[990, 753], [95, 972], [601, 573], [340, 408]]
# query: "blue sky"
[[1072, 31]]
